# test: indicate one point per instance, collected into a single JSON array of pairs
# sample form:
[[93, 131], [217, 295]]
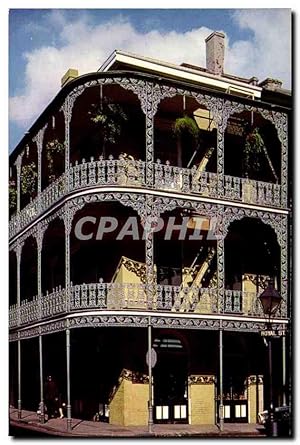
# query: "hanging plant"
[[53, 148], [12, 195], [109, 118], [253, 150], [28, 179], [186, 126]]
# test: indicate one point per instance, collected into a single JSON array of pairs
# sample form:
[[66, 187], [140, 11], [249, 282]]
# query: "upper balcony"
[[184, 147]]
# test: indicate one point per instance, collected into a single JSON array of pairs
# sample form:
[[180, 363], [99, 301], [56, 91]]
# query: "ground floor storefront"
[[107, 375]]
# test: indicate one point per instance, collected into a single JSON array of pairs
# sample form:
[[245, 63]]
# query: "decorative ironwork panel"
[[39, 139]]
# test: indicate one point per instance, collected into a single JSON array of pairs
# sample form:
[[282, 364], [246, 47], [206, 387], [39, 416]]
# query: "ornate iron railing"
[[168, 177], [252, 192], [136, 296], [132, 173]]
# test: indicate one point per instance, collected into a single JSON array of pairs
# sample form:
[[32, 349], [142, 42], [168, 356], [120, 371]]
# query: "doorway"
[[170, 377]]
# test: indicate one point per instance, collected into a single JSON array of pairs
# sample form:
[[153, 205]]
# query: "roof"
[[123, 60], [192, 76]]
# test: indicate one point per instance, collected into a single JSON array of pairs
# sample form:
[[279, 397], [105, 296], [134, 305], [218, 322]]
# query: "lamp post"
[[270, 300]]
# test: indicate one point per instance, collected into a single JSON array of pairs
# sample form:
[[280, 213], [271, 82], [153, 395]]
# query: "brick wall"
[[202, 400], [255, 397], [129, 405]]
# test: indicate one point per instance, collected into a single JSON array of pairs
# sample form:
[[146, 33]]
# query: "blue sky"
[[44, 43]]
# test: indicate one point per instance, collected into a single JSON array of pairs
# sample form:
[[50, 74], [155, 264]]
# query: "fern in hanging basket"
[[12, 195], [186, 125], [53, 148], [253, 151], [28, 179], [109, 118]]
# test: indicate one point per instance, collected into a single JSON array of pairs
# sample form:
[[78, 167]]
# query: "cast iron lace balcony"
[[129, 296], [132, 173], [252, 192]]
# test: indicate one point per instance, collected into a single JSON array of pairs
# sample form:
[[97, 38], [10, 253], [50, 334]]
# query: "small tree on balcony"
[[29, 179], [108, 118], [54, 149]]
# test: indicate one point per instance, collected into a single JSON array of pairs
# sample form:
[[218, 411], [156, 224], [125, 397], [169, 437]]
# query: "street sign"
[[153, 358], [272, 333]]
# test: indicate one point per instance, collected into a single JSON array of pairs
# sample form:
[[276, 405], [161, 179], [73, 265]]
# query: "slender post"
[[19, 381], [39, 183], [221, 406], [283, 371], [18, 254], [39, 139], [67, 110], [68, 218], [39, 242], [69, 419], [149, 111], [18, 164], [150, 402], [42, 405], [273, 422]]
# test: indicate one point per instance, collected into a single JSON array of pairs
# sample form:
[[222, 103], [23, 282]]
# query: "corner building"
[[87, 311]]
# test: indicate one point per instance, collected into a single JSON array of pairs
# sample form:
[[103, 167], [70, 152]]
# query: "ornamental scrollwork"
[[272, 219], [254, 380], [39, 138], [108, 320], [31, 332], [160, 92], [136, 267], [213, 104], [141, 321], [133, 376], [137, 86], [261, 281], [135, 201], [201, 379]]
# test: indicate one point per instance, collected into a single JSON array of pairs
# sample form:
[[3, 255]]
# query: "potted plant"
[[108, 118], [29, 179], [53, 148]]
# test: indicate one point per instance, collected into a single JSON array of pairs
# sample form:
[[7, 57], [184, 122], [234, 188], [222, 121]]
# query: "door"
[[235, 400], [170, 382]]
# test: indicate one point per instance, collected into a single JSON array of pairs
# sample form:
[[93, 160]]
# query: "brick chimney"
[[215, 49]]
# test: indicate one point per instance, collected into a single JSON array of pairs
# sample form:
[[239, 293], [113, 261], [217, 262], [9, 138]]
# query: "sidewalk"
[[84, 428]]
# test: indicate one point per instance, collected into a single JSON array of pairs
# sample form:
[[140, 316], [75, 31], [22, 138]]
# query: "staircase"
[[193, 278]]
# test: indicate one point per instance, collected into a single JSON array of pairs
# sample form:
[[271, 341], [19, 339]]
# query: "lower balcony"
[[131, 296]]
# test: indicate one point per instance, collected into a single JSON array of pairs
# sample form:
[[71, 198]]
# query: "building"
[[192, 163]]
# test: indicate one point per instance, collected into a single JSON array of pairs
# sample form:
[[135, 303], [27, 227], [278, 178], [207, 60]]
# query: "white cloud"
[[268, 53], [85, 47]]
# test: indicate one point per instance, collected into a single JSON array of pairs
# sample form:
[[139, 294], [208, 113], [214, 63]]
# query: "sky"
[[44, 43]]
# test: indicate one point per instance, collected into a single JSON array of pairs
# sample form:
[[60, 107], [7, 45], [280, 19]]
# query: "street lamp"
[[270, 300]]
